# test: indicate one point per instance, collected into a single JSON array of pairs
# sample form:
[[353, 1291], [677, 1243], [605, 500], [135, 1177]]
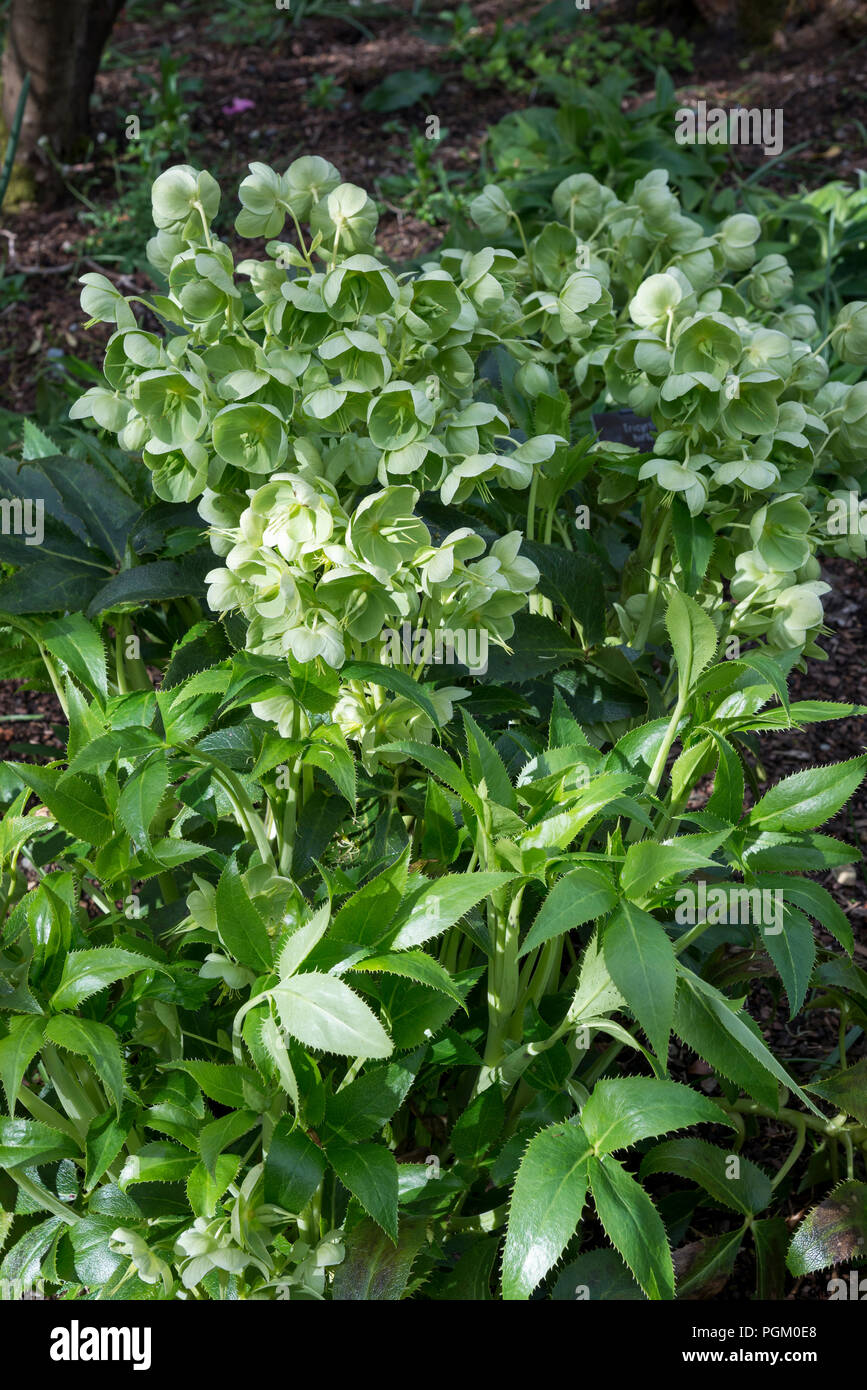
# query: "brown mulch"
[[815, 72]]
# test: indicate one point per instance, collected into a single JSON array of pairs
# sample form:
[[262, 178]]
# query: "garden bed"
[[338, 965]]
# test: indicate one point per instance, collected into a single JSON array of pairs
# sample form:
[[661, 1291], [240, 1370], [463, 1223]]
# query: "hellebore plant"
[[261, 1081], [311, 989], [633, 304]]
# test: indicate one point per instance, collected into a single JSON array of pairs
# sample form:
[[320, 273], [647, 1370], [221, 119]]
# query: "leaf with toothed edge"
[[835, 1232], [621, 1111], [808, 798], [633, 1225], [705, 1021], [546, 1206]]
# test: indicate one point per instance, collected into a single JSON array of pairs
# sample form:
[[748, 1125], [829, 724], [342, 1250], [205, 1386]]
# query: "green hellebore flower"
[[779, 532], [513, 571], [753, 408], [770, 282], [357, 356], [308, 180], [582, 201], [753, 575], [798, 612], [692, 397], [853, 424], [771, 349], [270, 589], [250, 436], [345, 218], [162, 249], [177, 475], [172, 403], [435, 307], [682, 477], [737, 238], [222, 511], [487, 276], [753, 474], [297, 518], [659, 206], [354, 456], [202, 905], [532, 379], [809, 371], [263, 196], [698, 263], [384, 531], [655, 300], [850, 333], [554, 253], [359, 285], [219, 967], [315, 633], [491, 210], [149, 1267], [360, 601], [582, 300], [130, 351], [176, 192], [707, 343], [207, 1247], [799, 321], [437, 566], [401, 414]]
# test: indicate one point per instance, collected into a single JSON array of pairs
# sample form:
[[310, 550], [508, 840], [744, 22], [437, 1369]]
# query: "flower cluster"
[[309, 410], [632, 304]]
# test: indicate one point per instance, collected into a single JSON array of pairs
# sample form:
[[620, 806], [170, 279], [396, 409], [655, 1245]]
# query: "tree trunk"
[[60, 43]]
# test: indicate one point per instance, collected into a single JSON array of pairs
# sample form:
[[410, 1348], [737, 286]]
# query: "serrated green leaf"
[[633, 1225], [239, 924], [369, 1172], [73, 803], [360, 1109], [227, 1083], [219, 1134], [648, 864], [808, 798], [793, 951], [641, 961], [87, 972], [205, 1190], [106, 1135], [95, 1041], [140, 797], [31, 1142], [412, 965], [430, 906], [718, 1034], [79, 646], [17, 1051], [546, 1206], [159, 1162], [731, 1179], [478, 1128], [579, 896], [693, 638], [624, 1110], [846, 1089], [322, 1012], [294, 1167]]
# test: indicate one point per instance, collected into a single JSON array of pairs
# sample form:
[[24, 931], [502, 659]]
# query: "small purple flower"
[[237, 105]]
